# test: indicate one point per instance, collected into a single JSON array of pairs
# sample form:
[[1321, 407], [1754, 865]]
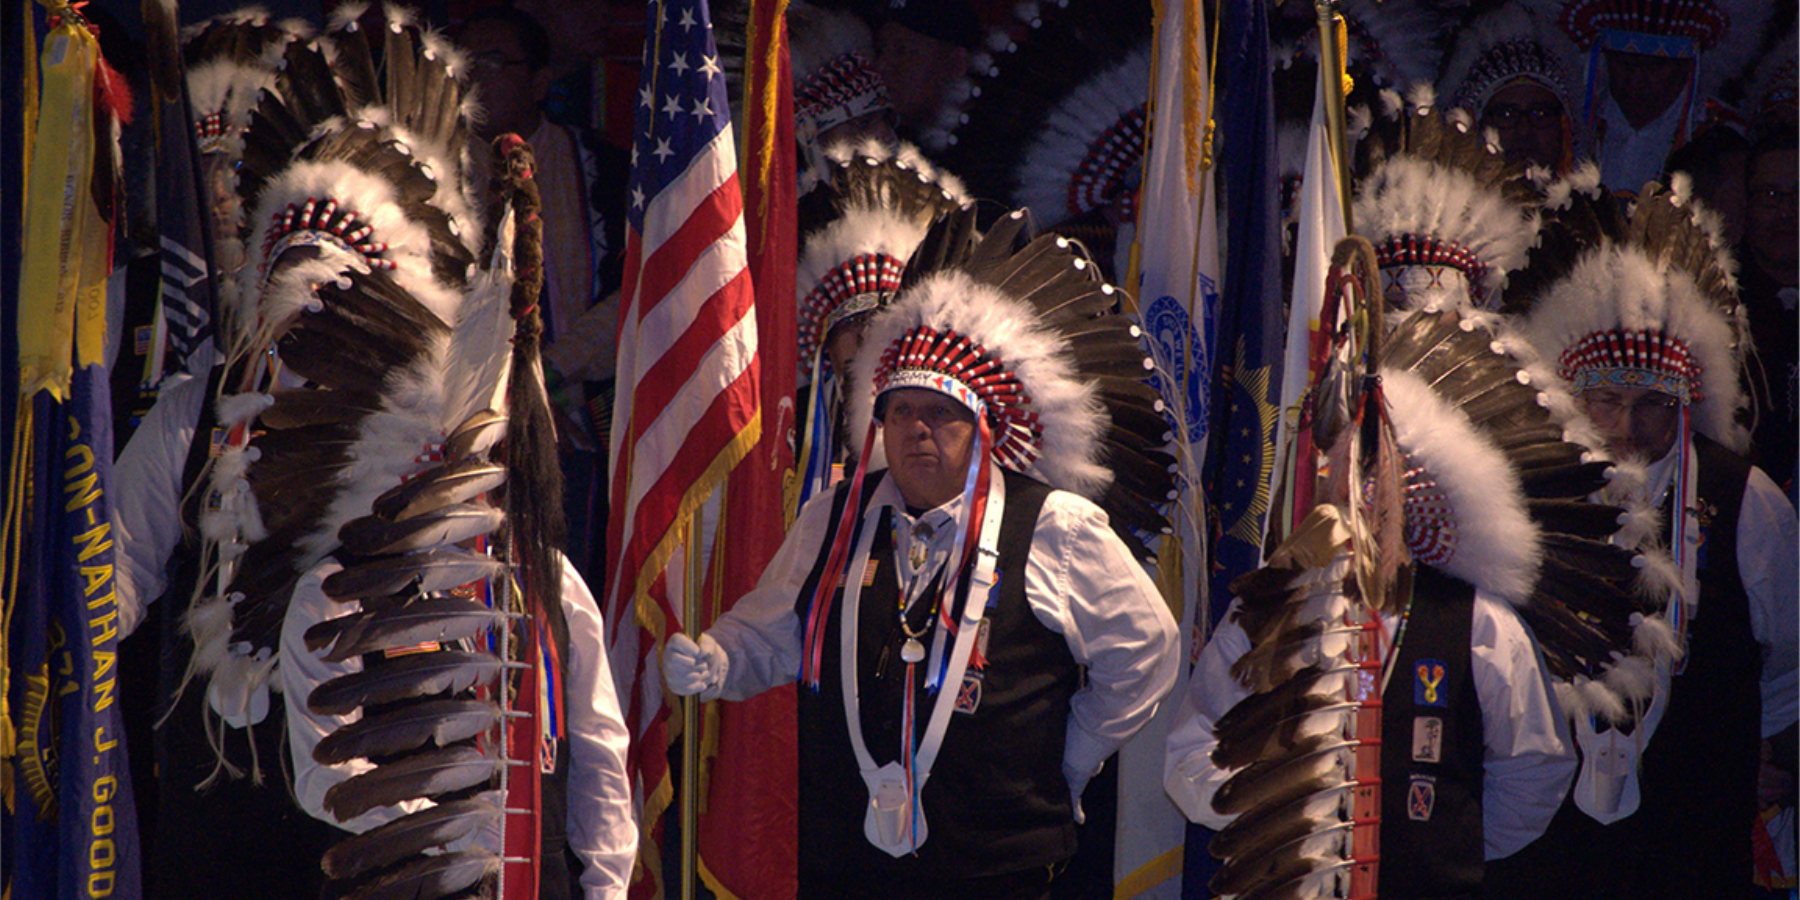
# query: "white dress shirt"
[[1529, 760], [147, 522], [1081, 582]]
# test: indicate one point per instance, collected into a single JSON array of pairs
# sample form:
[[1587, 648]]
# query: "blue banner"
[[1250, 319], [1241, 459], [71, 822]]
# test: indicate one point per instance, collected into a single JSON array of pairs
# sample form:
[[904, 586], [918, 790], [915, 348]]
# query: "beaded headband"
[[968, 372], [1634, 358], [1642, 26], [843, 89], [856, 285]]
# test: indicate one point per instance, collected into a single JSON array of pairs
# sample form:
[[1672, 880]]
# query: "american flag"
[[687, 409]]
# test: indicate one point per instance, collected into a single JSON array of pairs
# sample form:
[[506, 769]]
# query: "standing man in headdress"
[[1652, 65], [1515, 74], [976, 641], [923, 50], [839, 98], [1664, 802]]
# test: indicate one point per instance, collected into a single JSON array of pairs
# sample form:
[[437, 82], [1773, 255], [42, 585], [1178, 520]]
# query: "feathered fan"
[[1493, 466], [368, 395]]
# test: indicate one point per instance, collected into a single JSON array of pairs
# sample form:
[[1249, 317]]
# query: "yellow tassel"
[[762, 96]]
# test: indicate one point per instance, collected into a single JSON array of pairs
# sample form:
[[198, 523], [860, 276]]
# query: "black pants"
[[1029, 884]]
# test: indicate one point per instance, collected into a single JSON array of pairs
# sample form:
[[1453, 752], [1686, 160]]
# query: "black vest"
[[234, 837], [1690, 836], [1699, 772], [1432, 750], [996, 800]]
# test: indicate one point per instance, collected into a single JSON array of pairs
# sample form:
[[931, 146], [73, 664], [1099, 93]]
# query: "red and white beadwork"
[[952, 364], [843, 89], [322, 221], [854, 286], [1402, 250], [1702, 21], [1104, 175], [1651, 359], [210, 132], [1430, 519]]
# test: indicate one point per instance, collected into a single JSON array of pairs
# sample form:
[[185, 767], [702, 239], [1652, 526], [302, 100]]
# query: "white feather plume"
[[1497, 544]]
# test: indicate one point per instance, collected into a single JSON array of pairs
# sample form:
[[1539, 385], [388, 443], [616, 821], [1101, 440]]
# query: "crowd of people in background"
[[1631, 97]]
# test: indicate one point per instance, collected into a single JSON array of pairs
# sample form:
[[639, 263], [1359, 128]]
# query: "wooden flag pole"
[[1331, 60], [690, 721]]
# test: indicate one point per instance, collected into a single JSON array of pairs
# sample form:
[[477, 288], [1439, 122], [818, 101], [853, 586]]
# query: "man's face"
[[1644, 86], [1772, 210], [917, 69], [508, 88], [842, 344], [1529, 120], [1638, 422], [928, 437]]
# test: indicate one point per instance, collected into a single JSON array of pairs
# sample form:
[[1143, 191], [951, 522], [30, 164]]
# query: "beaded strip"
[[842, 89], [854, 285], [1427, 250], [1660, 360], [955, 365], [322, 221], [1103, 176]]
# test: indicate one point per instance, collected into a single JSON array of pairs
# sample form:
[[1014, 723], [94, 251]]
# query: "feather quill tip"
[[1653, 637], [1631, 677], [344, 17], [1657, 576]]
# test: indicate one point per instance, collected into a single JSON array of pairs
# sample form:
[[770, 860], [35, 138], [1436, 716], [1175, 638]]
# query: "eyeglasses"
[[1507, 115], [1605, 408], [933, 414], [494, 61], [1773, 198]]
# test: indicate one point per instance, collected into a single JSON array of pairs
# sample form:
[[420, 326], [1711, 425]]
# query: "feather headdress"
[[1492, 466], [362, 246], [229, 60], [1027, 335], [390, 343], [1504, 47], [1448, 214], [859, 222], [1057, 125], [834, 81], [1652, 294], [1719, 35]]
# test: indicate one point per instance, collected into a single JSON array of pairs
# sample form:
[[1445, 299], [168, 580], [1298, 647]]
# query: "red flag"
[[753, 785], [687, 409]]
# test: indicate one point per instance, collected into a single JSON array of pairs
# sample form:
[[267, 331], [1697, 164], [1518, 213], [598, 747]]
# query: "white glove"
[[1077, 785], [690, 668]]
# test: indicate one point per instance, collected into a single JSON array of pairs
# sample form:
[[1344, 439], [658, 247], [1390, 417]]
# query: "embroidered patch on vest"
[[968, 698], [1421, 796], [1428, 674], [1428, 739]]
